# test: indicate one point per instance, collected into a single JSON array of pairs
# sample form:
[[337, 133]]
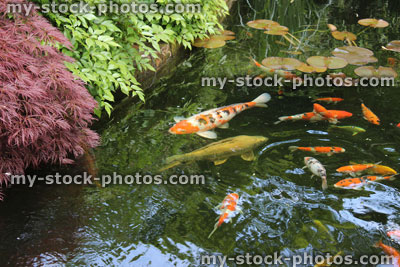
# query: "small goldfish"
[[394, 234], [358, 183], [369, 115], [317, 169], [353, 129], [354, 169], [391, 252], [329, 150], [203, 122], [330, 100], [227, 207], [382, 170]]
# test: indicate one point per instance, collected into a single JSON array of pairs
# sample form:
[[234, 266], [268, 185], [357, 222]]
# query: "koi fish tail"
[[261, 100], [293, 148], [212, 232], [172, 162], [324, 183], [283, 118]]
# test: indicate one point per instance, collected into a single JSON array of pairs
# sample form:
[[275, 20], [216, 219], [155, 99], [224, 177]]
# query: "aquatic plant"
[[215, 41], [355, 55], [44, 110], [393, 46], [369, 71], [327, 62]]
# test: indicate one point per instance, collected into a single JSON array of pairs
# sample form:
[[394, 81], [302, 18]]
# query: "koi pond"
[[284, 210]]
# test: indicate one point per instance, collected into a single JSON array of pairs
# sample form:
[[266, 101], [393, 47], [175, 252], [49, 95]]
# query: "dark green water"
[[168, 225]]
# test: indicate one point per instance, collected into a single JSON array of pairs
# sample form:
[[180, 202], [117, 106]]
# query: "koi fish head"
[[338, 149], [394, 234], [183, 127]]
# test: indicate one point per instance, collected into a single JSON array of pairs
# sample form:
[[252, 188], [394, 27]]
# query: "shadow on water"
[[284, 210]]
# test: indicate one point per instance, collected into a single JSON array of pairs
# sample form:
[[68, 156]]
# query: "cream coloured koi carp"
[[227, 208], [317, 169], [220, 151], [203, 122]]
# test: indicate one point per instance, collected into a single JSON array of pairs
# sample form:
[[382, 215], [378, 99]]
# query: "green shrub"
[[110, 49]]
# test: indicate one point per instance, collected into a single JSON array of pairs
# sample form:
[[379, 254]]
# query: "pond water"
[[284, 209]]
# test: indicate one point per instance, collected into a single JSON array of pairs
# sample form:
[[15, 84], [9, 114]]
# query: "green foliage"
[[111, 48]]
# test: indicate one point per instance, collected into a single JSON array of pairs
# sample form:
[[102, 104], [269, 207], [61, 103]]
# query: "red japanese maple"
[[44, 110]]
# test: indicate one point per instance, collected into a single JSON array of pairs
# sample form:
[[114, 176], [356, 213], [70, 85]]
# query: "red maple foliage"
[[44, 110]]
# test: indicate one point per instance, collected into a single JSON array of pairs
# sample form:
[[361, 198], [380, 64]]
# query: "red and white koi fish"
[[358, 183], [309, 116], [205, 121], [317, 169], [391, 252], [329, 150], [330, 100], [227, 207]]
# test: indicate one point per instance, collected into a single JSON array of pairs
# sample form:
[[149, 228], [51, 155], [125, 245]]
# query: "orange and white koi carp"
[[227, 207], [205, 121], [394, 234], [354, 169], [309, 116], [391, 252], [358, 183], [329, 150], [317, 169], [330, 100], [369, 115]]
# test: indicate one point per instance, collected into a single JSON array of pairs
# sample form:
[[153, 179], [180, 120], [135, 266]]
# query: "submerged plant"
[[44, 110]]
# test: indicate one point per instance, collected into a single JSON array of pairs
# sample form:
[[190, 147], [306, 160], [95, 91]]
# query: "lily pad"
[[369, 71], [393, 46], [280, 63], [374, 23], [277, 30], [262, 24], [344, 36], [355, 55], [310, 69], [328, 62], [215, 41]]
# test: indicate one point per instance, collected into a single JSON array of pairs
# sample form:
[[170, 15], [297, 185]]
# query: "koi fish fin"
[[329, 154], [219, 162], [208, 134], [224, 126], [172, 162], [178, 118], [277, 122], [324, 184], [333, 121], [248, 156], [293, 148], [212, 232], [304, 167], [262, 99], [355, 133]]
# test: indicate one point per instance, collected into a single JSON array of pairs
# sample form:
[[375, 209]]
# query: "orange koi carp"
[[354, 169], [391, 252], [227, 207], [331, 115], [369, 115], [203, 122], [358, 183], [330, 100], [329, 150]]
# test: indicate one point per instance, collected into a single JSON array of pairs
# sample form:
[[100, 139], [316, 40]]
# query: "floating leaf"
[[344, 36], [374, 23], [355, 55], [292, 52], [393, 46], [277, 30], [369, 71], [328, 62], [280, 63], [310, 69], [215, 41], [262, 24]]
